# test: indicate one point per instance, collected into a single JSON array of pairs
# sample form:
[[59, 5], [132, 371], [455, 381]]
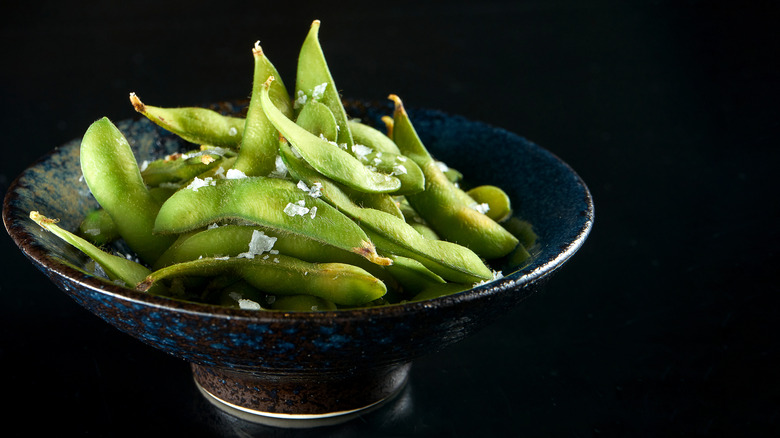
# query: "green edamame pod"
[[229, 291], [177, 168], [369, 136], [521, 229], [282, 275], [257, 154], [98, 228], [113, 177], [497, 203], [252, 241], [388, 163], [194, 124], [454, 175], [444, 206], [270, 202], [451, 261], [329, 159], [425, 230], [377, 201], [313, 81], [412, 275], [318, 119], [115, 267]]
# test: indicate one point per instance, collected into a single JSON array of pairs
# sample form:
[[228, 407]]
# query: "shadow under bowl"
[[304, 369]]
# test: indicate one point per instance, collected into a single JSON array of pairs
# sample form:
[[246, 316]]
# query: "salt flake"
[[198, 183], [297, 209], [235, 174], [243, 303], [319, 91]]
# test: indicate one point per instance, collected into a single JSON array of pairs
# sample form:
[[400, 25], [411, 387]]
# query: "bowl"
[[303, 369]]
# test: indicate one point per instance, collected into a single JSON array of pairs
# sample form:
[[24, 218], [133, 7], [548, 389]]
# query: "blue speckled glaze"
[[544, 190]]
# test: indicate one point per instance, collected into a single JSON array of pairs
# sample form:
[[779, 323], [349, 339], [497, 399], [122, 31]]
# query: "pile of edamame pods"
[[294, 206]]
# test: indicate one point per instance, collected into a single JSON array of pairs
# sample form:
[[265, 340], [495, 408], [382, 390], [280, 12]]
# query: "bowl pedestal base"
[[300, 400]]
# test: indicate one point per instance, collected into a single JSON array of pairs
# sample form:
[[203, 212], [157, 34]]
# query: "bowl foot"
[[300, 400]]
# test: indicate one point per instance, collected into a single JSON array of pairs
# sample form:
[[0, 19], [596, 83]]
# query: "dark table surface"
[[663, 324]]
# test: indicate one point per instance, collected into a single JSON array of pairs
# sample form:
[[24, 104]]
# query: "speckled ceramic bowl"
[[311, 368]]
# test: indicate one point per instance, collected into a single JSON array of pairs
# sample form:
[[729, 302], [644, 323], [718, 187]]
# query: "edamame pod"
[[252, 241], [313, 81], [269, 202], [281, 275], [451, 261], [329, 159], [318, 119], [399, 166], [495, 201], [412, 275], [98, 228], [194, 124], [115, 267], [235, 293], [369, 136], [113, 177], [444, 206], [177, 168], [257, 154]]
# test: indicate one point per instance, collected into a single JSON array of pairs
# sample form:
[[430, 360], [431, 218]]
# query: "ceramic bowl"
[[311, 368]]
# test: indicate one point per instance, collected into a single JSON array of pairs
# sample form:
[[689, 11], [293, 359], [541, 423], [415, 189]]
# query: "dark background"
[[663, 324]]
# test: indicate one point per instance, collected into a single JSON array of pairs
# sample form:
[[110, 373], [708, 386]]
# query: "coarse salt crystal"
[[197, 183], [234, 174], [399, 169], [361, 151], [442, 166], [314, 191], [260, 242], [232, 131], [319, 91], [281, 168], [297, 209], [482, 208], [301, 99], [497, 275], [243, 303]]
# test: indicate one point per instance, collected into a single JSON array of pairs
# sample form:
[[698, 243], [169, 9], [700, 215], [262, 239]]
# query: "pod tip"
[[137, 104], [145, 284], [399, 105], [41, 219]]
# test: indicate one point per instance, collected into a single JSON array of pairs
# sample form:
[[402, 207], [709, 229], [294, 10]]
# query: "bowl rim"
[[514, 280]]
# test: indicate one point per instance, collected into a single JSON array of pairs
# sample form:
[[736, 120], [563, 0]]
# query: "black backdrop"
[[662, 325]]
